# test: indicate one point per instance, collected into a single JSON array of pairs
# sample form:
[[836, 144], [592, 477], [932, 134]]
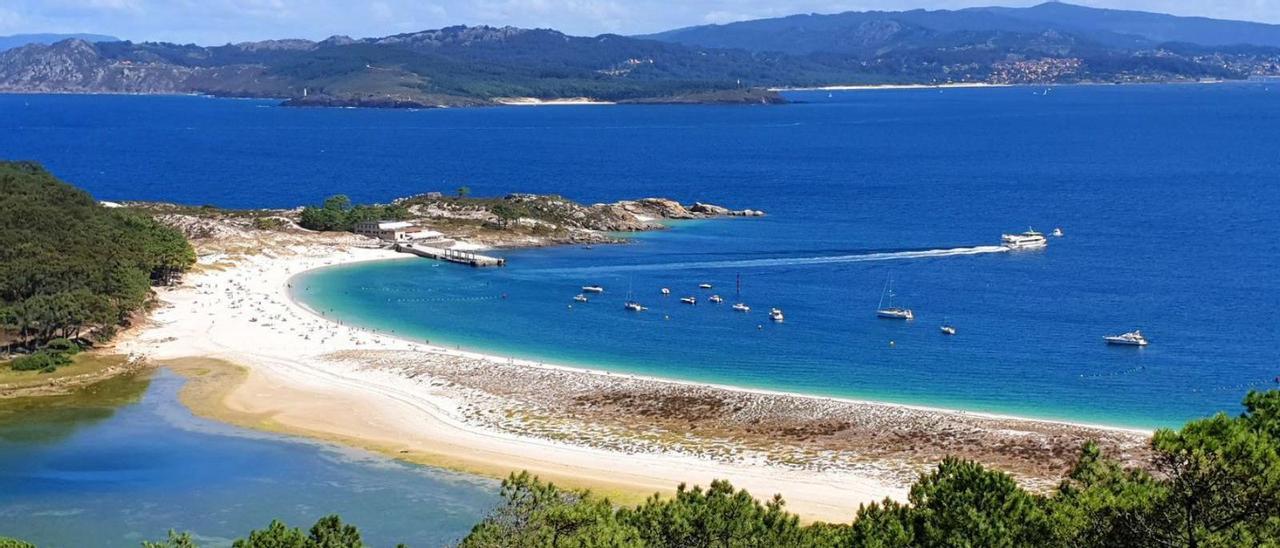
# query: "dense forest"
[[70, 267], [1213, 483]]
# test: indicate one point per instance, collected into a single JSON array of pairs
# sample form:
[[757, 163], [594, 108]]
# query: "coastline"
[[464, 410], [481, 354]]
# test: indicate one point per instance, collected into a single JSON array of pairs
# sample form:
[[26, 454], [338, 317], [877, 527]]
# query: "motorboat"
[[592, 289], [1057, 233], [704, 286], [891, 312], [740, 307], [716, 299], [948, 330], [1132, 338], [580, 298], [666, 291], [775, 314], [634, 306], [689, 300], [1027, 240]]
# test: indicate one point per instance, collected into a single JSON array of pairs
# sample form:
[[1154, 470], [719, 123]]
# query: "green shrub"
[[43, 360], [63, 346], [6, 542]]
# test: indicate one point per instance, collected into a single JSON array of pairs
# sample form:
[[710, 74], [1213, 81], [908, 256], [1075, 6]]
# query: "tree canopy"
[[68, 263], [337, 214]]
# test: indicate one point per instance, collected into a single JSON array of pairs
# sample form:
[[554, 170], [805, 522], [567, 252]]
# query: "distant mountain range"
[[737, 62], [19, 40], [870, 32]]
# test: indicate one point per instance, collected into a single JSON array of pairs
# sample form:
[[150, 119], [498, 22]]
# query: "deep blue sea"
[[93, 476], [1168, 197]]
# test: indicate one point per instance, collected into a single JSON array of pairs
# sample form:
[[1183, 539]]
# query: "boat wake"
[[788, 261]]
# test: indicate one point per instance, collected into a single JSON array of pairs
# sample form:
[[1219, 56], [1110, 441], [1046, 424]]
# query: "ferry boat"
[[892, 312], [704, 286], [1027, 240], [740, 307], [1132, 338], [775, 314], [716, 299], [580, 298], [689, 300], [592, 289]]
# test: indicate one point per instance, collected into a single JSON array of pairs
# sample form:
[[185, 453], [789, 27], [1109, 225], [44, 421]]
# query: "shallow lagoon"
[[130, 462]]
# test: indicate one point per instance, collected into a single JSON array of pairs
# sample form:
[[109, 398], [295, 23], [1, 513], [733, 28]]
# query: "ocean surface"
[[1167, 196], [94, 475]]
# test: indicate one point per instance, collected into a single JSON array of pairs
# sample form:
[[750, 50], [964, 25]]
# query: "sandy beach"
[[297, 372]]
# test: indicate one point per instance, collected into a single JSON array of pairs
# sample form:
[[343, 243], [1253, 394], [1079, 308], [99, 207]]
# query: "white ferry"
[[1027, 240], [1133, 338]]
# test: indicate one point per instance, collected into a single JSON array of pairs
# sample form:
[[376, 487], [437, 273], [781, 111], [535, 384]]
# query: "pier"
[[451, 255]]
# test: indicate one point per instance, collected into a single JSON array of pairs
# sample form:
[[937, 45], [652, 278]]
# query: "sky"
[[212, 22]]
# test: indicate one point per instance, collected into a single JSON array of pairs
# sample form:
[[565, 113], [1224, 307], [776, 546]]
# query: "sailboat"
[[892, 312], [631, 304], [739, 306]]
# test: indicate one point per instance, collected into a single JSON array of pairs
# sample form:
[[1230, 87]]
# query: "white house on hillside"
[[394, 231]]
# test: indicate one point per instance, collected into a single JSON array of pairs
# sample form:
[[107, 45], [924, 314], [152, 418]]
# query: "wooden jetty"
[[451, 255]]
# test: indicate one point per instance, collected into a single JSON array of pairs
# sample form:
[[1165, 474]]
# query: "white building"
[[394, 231]]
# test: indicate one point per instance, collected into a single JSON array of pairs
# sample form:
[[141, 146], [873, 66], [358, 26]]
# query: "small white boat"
[[892, 312], [592, 289], [740, 307], [704, 286], [689, 300], [1132, 338], [716, 299], [666, 291], [1027, 240], [948, 330], [580, 298], [1057, 233], [634, 306], [775, 314]]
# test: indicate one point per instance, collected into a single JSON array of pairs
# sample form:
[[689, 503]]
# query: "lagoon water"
[[1167, 195], [91, 474]]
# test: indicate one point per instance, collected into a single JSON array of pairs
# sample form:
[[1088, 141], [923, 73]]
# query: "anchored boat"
[[592, 289], [892, 312], [1132, 338]]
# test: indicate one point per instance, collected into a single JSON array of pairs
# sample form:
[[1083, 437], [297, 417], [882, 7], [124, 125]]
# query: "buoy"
[[891, 343]]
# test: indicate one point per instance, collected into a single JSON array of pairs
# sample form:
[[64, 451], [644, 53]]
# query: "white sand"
[[243, 314]]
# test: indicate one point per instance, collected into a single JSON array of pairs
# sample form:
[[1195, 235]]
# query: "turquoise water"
[[1167, 195], [79, 476]]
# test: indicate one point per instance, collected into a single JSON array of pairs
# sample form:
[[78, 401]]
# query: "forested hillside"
[[69, 265]]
